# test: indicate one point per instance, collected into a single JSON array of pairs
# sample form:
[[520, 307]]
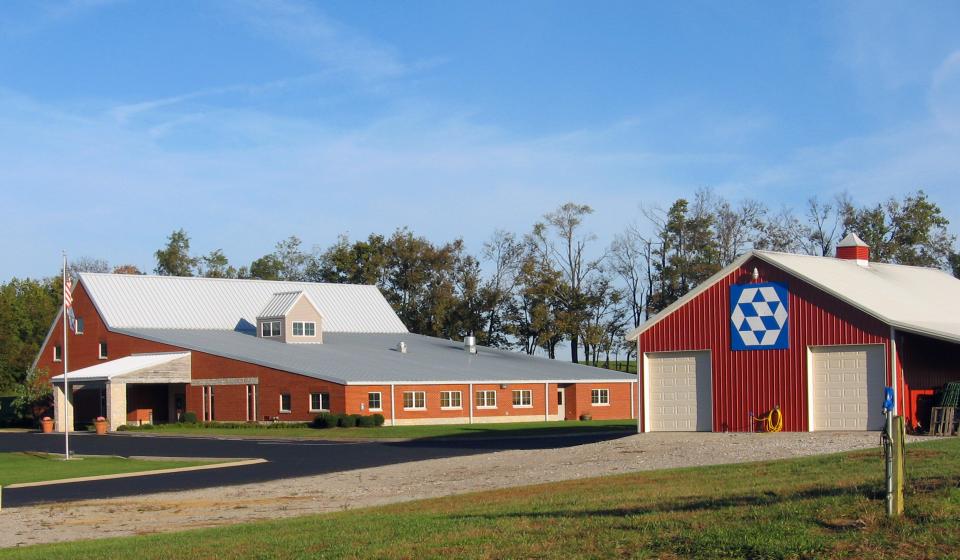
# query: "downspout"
[[393, 409], [471, 403], [546, 401]]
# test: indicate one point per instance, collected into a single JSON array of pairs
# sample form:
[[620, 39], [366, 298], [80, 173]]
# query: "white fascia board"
[[489, 382]]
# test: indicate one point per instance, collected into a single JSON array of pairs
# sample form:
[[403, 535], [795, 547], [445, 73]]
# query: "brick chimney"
[[852, 248]]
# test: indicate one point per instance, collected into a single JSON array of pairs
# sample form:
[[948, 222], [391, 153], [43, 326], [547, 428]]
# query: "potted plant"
[[47, 424], [101, 424]]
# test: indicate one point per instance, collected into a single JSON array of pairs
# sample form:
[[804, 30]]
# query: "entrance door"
[[561, 403]]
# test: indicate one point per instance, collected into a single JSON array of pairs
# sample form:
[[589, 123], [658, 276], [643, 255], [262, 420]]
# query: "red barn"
[[820, 337], [150, 348]]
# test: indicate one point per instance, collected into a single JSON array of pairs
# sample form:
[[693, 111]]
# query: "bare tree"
[[505, 254]]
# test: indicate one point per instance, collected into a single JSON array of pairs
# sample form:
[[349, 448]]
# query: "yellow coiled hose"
[[771, 421]]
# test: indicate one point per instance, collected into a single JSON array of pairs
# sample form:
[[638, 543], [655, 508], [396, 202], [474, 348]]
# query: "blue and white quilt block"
[[759, 316]]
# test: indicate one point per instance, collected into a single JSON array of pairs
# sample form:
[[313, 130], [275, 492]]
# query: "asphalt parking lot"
[[285, 459]]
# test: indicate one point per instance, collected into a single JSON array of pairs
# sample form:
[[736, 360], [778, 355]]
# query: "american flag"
[[68, 303]]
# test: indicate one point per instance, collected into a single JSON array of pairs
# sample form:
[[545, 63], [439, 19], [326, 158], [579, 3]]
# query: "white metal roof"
[[914, 299], [280, 304], [127, 301], [121, 366]]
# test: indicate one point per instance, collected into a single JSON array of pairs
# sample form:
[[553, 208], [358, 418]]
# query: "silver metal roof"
[[352, 358], [279, 304], [170, 302], [909, 298]]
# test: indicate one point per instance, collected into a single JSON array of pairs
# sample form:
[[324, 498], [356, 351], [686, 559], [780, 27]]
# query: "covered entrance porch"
[[137, 389]]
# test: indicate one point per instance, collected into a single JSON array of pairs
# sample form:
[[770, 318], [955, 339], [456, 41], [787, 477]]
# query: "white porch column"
[[116, 404], [62, 409]]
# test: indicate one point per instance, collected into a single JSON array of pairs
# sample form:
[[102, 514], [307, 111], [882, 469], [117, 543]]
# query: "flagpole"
[[66, 384]]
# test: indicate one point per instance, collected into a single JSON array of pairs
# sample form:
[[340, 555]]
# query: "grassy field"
[[35, 467], [821, 507], [512, 429]]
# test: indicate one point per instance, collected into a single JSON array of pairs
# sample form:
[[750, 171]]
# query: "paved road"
[[285, 459]]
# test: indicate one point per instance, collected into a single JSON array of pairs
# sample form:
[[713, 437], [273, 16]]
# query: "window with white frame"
[[414, 400], [304, 328], [102, 350], [285, 402], [486, 399], [522, 398], [451, 399], [58, 353], [319, 402], [600, 397], [270, 329], [374, 401], [79, 326]]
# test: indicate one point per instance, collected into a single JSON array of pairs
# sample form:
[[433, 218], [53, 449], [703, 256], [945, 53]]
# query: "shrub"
[[366, 422], [324, 420], [586, 417], [378, 419], [123, 428], [188, 418], [347, 421], [147, 426]]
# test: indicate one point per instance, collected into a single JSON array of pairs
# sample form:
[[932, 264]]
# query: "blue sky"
[[247, 122]]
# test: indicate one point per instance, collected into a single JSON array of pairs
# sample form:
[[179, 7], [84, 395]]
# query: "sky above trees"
[[248, 122]]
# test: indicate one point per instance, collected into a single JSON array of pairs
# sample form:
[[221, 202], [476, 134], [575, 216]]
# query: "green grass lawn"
[[820, 507], [512, 429], [36, 467], [615, 365]]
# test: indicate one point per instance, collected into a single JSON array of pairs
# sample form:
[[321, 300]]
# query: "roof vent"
[[402, 347], [470, 344], [852, 248]]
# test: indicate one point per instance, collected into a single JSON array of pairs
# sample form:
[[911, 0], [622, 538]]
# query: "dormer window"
[[304, 328], [291, 317], [270, 329]]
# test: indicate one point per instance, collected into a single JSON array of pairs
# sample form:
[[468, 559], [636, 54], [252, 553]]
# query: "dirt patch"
[[177, 511]]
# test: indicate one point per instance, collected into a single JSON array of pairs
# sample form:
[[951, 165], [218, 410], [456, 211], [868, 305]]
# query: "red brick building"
[[149, 348], [820, 337]]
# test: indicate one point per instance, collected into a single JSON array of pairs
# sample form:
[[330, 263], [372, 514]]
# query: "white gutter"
[[393, 408], [471, 403]]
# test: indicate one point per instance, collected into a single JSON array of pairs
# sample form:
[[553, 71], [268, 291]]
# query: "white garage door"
[[679, 392], [848, 386]]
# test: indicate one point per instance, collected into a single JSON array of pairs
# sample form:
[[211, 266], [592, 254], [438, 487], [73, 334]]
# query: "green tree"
[[216, 265], [27, 309], [174, 259], [912, 231], [34, 394]]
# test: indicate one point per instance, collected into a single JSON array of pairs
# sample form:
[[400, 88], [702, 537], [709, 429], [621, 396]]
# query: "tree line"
[[553, 285]]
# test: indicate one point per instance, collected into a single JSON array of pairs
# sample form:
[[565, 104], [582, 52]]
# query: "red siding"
[[928, 364], [757, 380]]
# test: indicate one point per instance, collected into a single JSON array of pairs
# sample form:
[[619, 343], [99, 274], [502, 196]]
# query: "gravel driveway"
[[175, 511]]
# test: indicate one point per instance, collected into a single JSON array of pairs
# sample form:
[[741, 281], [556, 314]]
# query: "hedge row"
[[334, 420]]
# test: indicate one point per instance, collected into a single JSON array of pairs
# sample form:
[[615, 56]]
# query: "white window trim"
[[101, 346], [414, 407], [522, 391], [607, 391], [288, 410], [303, 329], [274, 333], [380, 408], [55, 358], [310, 402], [80, 326], [458, 407], [487, 406]]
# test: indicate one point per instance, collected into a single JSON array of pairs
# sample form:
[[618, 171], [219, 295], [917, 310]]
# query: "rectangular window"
[[319, 402], [270, 328], [374, 401], [414, 400], [207, 403], [450, 399], [600, 397], [58, 353], [102, 349], [285, 402], [304, 328], [79, 325], [486, 399], [522, 398]]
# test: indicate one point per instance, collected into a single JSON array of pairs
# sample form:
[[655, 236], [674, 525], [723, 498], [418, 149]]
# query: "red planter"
[[47, 425]]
